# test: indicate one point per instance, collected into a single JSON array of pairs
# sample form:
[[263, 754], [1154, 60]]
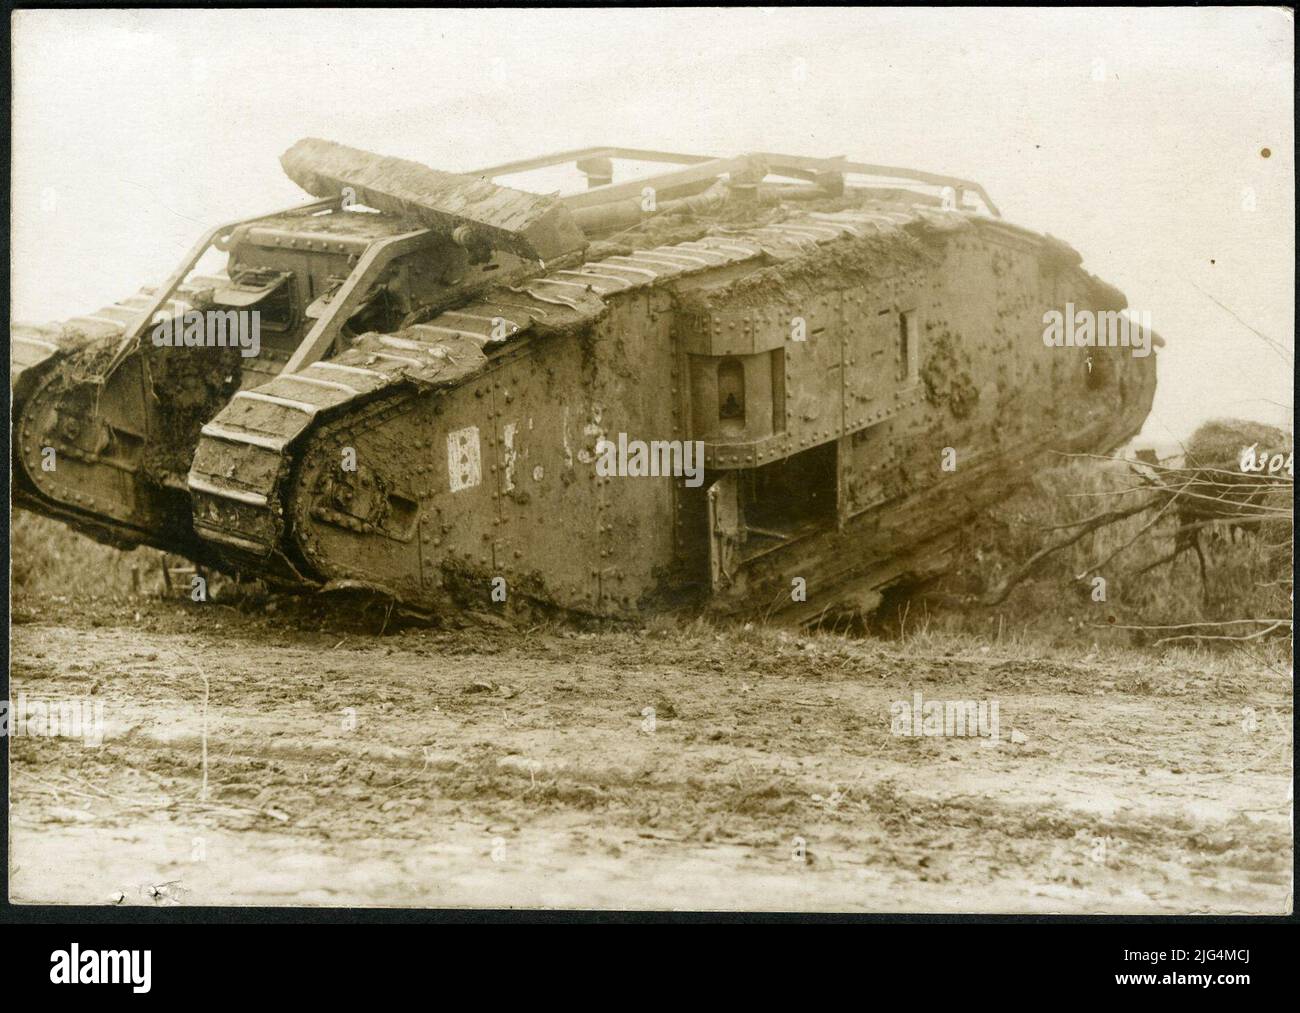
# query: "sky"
[[1158, 142]]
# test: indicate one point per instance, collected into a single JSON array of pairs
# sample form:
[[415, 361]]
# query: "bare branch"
[[1097, 522]]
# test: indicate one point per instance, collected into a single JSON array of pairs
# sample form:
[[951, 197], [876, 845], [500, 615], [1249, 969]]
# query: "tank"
[[751, 384]]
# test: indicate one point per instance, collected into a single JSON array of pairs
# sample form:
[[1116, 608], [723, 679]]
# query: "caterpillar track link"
[[79, 444], [760, 395]]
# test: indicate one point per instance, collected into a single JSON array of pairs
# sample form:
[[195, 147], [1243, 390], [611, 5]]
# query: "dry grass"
[[48, 558], [1248, 573]]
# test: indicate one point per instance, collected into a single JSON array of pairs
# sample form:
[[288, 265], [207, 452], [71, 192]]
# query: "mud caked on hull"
[[760, 387]]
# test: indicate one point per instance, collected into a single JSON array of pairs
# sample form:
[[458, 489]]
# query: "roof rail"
[[798, 165], [702, 168], [582, 154]]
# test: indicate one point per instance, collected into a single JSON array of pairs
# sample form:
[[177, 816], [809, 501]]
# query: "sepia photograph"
[[821, 461]]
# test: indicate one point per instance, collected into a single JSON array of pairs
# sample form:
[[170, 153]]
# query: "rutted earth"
[[501, 766]]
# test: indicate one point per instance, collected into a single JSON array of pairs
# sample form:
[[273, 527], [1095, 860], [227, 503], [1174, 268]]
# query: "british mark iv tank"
[[695, 389]]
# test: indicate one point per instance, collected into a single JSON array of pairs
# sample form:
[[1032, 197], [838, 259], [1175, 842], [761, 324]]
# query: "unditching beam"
[[528, 225]]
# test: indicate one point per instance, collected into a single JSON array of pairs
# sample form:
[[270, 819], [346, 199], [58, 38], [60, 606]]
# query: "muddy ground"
[[502, 766]]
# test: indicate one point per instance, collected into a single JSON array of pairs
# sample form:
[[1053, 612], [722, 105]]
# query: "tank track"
[[247, 456], [38, 354]]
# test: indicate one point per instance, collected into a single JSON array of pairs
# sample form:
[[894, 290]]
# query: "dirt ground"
[[507, 767]]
